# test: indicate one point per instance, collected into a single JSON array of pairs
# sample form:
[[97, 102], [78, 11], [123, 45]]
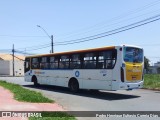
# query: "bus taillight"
[[122, 74]]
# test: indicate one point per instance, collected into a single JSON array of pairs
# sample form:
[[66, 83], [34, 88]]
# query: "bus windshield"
[[132, 54]]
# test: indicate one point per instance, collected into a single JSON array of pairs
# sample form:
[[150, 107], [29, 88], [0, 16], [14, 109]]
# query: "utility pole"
[[52, 44], [13, 60], [50, 37]]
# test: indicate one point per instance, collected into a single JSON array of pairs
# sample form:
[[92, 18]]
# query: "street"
[[85, 100]]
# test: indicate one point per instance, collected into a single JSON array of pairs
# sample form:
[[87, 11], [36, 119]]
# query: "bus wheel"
[[73, 85], [34, 80]]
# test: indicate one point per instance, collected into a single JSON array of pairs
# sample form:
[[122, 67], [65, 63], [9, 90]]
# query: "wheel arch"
[[73, 85], [72, 79]]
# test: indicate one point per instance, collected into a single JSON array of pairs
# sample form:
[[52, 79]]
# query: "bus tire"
[[34, 80], [73, 85]]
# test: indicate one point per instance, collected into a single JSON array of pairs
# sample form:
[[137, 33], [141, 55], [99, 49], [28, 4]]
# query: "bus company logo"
[[6, 114], [22, 114], [38, 72], [103, 72], [77, 73], [134, 70]]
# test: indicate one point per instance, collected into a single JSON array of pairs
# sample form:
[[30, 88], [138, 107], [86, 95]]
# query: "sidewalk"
[[7, 103]]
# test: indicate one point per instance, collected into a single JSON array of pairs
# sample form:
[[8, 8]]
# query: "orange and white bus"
[[105, 68]]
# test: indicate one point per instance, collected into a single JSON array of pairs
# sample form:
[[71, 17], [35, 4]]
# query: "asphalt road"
[[85, 100]]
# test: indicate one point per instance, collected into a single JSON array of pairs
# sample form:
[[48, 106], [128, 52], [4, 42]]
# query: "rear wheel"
[[73, 85]]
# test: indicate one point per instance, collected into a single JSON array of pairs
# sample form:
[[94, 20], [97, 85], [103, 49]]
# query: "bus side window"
[[35, 63], [89, 61], [64, 62], [75, 62], [109, 64], [27, 64], [53, 62], [44, 63], [100, 64], [106, 59]]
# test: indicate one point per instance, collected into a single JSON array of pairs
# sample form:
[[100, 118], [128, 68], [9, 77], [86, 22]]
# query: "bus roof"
[[131, 46], [84, 50], [76, 51]]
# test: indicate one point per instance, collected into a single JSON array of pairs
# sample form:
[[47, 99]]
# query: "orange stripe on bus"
[[76, 51]]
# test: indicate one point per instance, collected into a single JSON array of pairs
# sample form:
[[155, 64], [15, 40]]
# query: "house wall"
[[6, 68], [18, 68]]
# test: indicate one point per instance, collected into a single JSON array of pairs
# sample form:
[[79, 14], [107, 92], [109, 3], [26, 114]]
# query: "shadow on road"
[[85, 93]]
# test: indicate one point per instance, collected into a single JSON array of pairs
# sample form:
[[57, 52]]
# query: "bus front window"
[[132, 54]]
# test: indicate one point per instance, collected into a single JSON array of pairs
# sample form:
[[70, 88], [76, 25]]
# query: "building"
[[157, 64], [155, 69], [6, 65]]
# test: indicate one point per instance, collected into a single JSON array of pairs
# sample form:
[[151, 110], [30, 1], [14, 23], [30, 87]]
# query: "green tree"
[[146, 64]]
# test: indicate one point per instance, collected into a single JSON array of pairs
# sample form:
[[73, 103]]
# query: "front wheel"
[[36, 84], [34, 80], [73, 85]]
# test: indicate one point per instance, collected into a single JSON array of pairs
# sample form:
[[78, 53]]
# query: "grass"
[[25, 95], [152, 81]]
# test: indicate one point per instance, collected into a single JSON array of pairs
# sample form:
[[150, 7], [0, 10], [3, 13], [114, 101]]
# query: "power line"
[[32, 48], [5, 50], [104, 34], [17, 57], [40, 48], [37, 46], [100, 35], [22, 52], [112, 32], [90, 37], [113, 19], [122, 21], [122, 16]]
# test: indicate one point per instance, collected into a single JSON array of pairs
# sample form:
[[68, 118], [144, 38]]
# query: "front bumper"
[[126, 86]]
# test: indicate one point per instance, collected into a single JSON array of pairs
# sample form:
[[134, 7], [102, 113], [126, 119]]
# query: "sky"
[[75, 19]]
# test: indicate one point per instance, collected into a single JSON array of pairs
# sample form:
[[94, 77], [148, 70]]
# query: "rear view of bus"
[[131, 68]]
